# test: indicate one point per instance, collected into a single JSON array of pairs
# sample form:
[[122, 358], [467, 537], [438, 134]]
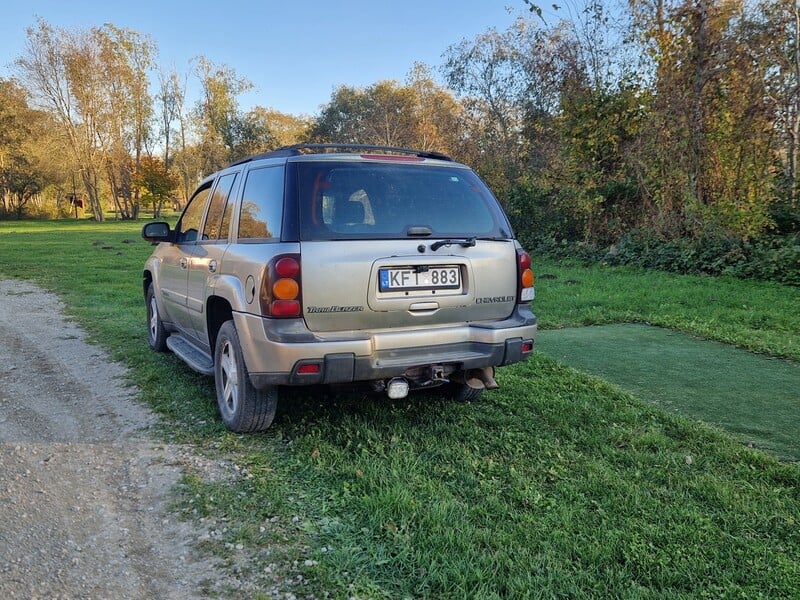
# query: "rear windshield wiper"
[[465, 242]]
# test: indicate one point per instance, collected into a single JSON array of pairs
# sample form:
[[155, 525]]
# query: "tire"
[[243, 408], [156, 333], [461, 392]]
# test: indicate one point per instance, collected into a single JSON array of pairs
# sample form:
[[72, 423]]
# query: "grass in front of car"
[[555, 485]]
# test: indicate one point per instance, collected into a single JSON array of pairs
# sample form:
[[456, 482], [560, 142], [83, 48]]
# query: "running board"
[[191, 354]]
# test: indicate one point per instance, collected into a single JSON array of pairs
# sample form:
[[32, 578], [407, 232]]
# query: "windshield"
[[367, 200]]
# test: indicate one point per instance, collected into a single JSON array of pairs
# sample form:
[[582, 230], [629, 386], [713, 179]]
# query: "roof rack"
[[298, 149]]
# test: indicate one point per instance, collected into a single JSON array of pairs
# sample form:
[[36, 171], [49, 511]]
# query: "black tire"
[[242, 407], [461, 392], [156, 333]]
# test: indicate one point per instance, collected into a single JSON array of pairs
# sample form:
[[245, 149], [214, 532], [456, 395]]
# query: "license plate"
[[419, 278]]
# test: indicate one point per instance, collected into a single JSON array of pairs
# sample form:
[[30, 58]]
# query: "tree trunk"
[[794, 112], [90, 183]]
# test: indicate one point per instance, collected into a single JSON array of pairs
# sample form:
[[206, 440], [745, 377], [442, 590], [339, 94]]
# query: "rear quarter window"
[[261, 209], [363, 200]]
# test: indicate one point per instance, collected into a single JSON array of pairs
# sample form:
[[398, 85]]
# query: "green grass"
[[757, 315], [754, 396], [556, 485]]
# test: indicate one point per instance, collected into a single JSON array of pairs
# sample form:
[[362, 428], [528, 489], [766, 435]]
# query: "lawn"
[[556, 485]]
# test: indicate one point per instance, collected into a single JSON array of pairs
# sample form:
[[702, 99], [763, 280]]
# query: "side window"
[[216, 228], [262, 204], [189, 224]]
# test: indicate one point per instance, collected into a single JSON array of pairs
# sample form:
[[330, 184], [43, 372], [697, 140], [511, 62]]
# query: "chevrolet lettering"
[[495, 299]]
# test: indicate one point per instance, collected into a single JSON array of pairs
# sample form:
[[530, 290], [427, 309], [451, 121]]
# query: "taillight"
[[280, 288], [525, 292]]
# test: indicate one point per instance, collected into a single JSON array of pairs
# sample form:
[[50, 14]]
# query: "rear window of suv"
[[367, 200]]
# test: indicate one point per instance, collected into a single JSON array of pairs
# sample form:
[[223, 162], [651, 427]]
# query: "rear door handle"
[[423, 307], [212, 266], [184, 262]]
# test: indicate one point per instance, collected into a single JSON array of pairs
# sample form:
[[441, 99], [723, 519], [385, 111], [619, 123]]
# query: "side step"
[[193, 356]]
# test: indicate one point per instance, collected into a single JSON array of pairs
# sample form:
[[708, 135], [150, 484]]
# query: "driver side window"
[[189, 224]]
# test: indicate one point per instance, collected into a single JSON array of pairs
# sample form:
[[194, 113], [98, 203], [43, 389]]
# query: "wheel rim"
[[230, 379], [153, 319]]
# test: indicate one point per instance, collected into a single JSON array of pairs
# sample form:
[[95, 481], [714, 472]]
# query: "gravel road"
[[84, 488]]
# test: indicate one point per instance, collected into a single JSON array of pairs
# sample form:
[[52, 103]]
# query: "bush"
[[773, 258]]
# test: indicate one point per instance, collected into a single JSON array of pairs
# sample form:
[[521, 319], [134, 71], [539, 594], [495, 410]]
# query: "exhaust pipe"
[[397, 388], [479, 379]]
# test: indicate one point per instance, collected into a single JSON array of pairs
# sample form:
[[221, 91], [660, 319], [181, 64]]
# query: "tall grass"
[[556, 485]]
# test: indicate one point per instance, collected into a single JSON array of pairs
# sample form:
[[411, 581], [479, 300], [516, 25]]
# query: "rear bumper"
[[276, 350]]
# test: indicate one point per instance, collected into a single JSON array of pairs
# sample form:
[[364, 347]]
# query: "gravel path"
[[83, 487]]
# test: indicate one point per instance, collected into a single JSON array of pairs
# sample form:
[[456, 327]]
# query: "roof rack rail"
[[299, 149]]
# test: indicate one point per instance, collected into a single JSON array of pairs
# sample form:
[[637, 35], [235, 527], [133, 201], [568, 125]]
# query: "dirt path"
[[83, 488]]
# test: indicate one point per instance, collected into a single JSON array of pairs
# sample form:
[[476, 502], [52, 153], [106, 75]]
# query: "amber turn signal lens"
[[527, 278], [285, 289]]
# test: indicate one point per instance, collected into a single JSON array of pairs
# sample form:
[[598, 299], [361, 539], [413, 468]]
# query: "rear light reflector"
[[308, 369], [527, 346]]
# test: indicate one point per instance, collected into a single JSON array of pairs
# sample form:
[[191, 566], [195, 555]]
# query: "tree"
[[19, 182], [156, 181], [30, 153], [439, 116], [418, 115], [489, 76], [781, 19], [511, 84], [95, 85], [57, 68], [270, 129], [708, 148], [169, 101], [217, 114], [125, 58]]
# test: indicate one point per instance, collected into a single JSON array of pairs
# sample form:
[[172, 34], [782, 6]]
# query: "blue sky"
[[294, 52]]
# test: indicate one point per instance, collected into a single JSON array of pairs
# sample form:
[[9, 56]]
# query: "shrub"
[[773, 258]]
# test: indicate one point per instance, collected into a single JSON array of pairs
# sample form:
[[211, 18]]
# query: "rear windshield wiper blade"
[[465, 242]]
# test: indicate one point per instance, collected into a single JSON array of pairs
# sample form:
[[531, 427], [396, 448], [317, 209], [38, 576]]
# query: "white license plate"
[[419, 278]]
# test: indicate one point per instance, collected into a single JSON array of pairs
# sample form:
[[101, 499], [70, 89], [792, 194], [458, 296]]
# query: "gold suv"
[[382, 267]]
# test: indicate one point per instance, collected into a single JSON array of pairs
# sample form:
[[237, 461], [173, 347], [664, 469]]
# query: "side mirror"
[[156, 232]]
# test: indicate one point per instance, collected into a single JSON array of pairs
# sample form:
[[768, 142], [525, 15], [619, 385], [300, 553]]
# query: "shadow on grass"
[[755, 397]]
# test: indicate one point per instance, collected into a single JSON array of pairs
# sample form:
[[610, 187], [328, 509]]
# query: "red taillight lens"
[[280, 294], [285, 308], [287, 267], [524, 260]]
